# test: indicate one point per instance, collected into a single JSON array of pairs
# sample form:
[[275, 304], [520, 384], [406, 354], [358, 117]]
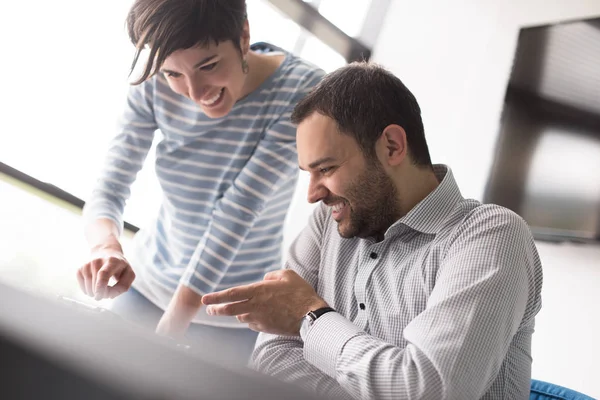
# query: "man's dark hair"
[[363, 99], [166, 26]]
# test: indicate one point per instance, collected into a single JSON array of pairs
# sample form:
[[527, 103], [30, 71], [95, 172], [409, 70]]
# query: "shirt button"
[[373, 255], [362, 306]]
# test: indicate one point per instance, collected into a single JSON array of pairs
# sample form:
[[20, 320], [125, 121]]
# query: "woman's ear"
[[393, 145], [245, 39]]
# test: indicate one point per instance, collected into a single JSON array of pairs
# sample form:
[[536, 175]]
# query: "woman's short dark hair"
[[166, 26], [363, 99]]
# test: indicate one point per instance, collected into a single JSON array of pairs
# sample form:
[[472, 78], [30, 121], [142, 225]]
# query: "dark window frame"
[[50, 189], [309, 18]]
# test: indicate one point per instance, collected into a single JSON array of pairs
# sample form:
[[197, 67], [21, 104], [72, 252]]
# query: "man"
[[433, 295]]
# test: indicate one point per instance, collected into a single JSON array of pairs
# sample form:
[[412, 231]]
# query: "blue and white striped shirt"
[[227, 184]]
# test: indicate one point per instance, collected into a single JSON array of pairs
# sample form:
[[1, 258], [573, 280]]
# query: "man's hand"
[[106, 262], [275, 305]]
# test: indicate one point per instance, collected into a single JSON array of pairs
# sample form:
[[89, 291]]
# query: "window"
[[65, 79], [348, 15], [267, 24]]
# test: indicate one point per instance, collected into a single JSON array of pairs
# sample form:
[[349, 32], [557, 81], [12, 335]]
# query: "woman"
[[226, 164]]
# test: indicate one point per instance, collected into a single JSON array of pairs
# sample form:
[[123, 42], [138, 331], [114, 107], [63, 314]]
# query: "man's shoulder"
[[488, 223], [491, 215]]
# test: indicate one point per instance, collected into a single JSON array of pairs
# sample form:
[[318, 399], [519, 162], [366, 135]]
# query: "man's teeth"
[[212, 99], [337, 207]]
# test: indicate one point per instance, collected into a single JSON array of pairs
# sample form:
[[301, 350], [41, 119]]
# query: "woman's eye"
[[208, 67], [172, 74]]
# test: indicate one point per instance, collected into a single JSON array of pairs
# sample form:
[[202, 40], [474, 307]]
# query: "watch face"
[[305, 326]]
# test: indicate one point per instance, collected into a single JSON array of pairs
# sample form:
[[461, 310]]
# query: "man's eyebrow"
[[320, 161], [202, 62]]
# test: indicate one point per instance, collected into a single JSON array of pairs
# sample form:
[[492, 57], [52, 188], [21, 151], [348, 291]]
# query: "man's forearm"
[[281, 357]]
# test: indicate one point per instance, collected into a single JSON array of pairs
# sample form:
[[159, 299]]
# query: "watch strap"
[[313, 315]]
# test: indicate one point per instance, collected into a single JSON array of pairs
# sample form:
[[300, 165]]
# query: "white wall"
[[456, 57]]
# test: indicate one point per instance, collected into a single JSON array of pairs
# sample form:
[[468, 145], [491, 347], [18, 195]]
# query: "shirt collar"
[[429, 215]]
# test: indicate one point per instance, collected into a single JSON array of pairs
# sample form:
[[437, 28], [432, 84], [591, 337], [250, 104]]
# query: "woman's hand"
[[107, 261]]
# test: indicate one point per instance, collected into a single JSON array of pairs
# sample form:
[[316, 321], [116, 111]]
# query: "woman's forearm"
[[103, 233]]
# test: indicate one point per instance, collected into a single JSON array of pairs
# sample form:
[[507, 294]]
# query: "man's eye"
[[208, 67], [325, 170]]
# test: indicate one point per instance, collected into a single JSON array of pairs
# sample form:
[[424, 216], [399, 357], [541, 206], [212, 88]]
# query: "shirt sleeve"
[[456, 346], [282, 356], [273, 163], [125, 157]]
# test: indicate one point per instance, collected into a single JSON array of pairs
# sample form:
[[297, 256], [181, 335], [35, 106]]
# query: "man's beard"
[[373, 201]]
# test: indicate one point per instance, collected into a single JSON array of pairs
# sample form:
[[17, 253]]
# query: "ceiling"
[[561, 63]]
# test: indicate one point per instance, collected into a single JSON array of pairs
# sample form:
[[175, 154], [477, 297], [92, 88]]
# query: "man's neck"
[[413, 186]]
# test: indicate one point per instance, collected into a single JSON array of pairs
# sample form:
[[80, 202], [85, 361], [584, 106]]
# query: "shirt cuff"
[[326, 339]]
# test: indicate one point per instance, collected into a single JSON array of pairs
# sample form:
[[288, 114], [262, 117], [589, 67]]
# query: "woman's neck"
[[260, 68]]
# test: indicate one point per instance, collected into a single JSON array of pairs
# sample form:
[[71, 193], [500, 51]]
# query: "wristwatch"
[[310, 318]]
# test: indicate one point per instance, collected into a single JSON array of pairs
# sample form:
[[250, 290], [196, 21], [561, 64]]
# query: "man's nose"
[[316, 191]]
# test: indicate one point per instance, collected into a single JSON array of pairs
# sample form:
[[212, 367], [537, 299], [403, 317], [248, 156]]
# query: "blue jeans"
[[231, 345]]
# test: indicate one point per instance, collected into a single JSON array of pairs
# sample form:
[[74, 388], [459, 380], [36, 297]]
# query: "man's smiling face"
[[360, 194]]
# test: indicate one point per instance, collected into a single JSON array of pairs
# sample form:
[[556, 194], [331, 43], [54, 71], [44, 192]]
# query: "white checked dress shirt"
[[442, 308]]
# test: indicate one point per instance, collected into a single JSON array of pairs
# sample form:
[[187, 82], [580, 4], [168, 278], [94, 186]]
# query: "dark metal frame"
[[310, 19], [502, 159]]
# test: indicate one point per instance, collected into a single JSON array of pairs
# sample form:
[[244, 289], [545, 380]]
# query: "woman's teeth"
[[213, 99]]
